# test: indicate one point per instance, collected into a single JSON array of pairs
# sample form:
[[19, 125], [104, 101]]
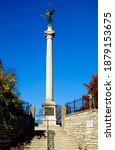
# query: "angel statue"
[[49, 15]]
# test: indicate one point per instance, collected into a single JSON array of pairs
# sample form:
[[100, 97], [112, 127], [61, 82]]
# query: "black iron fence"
[[26, 107], [74, 106]]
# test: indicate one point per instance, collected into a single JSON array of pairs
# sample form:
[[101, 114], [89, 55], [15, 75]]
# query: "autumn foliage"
[[92, 89], [10, 104]]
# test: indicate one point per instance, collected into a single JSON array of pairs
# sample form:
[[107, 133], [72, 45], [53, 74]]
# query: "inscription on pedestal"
[[49, 111]]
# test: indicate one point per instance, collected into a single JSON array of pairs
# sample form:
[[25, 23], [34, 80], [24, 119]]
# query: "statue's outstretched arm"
[[44, 15], [52, 11]]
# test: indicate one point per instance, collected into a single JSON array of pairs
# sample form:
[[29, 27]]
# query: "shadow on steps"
[[40, 134], [26, 139]]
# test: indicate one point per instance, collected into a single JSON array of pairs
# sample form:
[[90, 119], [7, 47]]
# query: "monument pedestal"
[[49, 113]]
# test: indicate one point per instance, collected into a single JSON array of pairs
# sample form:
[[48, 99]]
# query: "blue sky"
[[75, 47]]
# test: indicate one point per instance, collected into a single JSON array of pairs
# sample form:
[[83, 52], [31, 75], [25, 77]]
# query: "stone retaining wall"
[[83, 126]]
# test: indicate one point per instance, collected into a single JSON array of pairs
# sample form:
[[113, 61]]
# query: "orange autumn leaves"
[[92, 88]]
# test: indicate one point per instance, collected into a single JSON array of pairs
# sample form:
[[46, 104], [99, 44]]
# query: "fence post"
[[32, 111], [67, 108], [82, 102], [74, 105], [90, 100], [27, 107], [63, 114]]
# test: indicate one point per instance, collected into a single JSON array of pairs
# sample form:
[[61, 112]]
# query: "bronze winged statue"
[[49, 15]]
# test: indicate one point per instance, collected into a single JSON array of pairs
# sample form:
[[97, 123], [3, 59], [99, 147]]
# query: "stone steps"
[[64, 142], [61, 142]]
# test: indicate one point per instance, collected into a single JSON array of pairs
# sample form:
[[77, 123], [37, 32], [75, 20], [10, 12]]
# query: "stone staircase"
[[64, 142], [61, 141]]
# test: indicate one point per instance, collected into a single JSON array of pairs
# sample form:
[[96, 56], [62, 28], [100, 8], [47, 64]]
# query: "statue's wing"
[[44, 15], [52, 11], [87, 87]]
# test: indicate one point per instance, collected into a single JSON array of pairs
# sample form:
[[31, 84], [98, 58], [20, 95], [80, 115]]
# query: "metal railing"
[[26, 107], [74, 106], [50, 138]]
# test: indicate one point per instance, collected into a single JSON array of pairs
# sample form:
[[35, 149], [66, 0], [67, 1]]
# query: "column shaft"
[[49, 69]]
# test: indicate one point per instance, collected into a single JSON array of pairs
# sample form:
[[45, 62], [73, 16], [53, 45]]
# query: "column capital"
[[49, 33]]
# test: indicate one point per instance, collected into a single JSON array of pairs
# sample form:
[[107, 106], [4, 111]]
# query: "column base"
[[49, 123], [49, 113]]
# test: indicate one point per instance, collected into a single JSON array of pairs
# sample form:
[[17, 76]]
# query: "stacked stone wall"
[[83, 126]]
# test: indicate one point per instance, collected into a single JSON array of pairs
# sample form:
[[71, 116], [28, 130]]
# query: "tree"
[[92, 89], [10, 104]]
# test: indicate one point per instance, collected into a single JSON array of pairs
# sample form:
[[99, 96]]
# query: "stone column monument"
[[49, 111]]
